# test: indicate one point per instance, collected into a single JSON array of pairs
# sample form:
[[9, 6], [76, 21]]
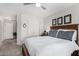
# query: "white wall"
[[19, 29], [74, 11]]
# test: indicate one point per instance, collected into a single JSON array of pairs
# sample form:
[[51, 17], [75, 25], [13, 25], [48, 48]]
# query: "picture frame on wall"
[[67, 19], [60, 21], [53, 21]]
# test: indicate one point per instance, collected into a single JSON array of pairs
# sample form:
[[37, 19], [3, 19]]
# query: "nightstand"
[[43, 35]]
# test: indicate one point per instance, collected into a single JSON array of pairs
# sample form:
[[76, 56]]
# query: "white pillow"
[[74, 37]]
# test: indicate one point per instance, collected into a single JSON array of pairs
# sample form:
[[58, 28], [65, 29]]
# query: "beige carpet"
[[10, 48]]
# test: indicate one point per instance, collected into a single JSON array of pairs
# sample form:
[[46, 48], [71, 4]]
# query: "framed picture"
[[53, 21], [60, 20], [67, 19]]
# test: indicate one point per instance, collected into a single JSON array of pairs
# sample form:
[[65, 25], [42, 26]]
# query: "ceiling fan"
[[37, 5]]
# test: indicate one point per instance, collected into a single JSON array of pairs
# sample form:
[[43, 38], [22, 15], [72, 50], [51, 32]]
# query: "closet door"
[[8, 31]]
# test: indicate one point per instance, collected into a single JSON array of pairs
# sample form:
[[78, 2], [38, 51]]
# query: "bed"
[[52, 46]]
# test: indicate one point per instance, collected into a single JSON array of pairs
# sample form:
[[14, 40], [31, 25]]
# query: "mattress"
[[49, 46]]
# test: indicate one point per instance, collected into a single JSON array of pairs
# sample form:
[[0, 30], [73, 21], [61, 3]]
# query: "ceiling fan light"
[[38, 4]]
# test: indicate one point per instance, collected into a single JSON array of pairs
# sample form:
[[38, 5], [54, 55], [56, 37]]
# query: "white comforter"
[[49, 46]]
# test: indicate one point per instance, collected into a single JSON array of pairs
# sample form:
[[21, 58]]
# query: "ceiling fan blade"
[[28, 3], [44, 8], [41, 6]]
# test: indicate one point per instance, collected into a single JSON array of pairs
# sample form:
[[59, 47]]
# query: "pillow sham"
[[74, 37], [52, 33], [67, 35]]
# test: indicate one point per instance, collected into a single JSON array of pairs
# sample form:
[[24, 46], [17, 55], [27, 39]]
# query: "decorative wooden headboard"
[[71, 26]]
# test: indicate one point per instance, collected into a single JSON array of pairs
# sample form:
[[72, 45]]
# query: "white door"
[[8, 30]]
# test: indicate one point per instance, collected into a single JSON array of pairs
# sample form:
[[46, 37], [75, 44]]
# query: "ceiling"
[[51, 8]]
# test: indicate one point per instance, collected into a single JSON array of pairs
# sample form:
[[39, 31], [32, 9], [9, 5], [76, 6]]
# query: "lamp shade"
[[48, 29]]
